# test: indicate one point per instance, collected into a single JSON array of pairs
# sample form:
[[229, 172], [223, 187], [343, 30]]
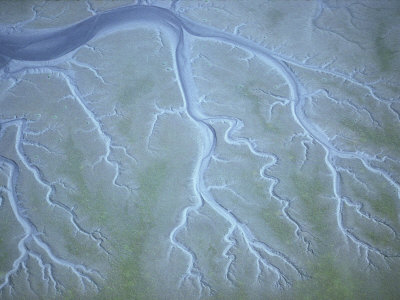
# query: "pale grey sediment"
[[42, 45]]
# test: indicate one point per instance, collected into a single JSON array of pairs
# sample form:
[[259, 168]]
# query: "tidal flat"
[[195, 149]]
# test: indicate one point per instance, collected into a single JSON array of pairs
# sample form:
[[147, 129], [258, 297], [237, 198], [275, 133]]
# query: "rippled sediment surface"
[[199, 149]]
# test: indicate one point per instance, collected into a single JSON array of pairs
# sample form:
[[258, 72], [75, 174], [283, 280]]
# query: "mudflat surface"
[[199, 149]]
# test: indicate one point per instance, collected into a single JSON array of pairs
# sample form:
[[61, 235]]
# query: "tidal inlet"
[[199, 149]]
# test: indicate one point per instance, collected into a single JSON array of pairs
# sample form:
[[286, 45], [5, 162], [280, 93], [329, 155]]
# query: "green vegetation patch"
[[385, 205], [309, 188], [128, 277], [385, 55], [129, 94], [331, 279], [385, 240], [73, 167], [381, 201], [247, 91], [278, 223], [125, 127], [388, 137]]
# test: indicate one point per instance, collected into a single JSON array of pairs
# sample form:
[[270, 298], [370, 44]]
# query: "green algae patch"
[[125, 127], [380, 199], [385, 205], [78, 248], [240, 291], [7, 253], [387, 137], [126, 281], [309, 190], [383, 240], [337, 276], [74, 165], [275, 16], [279, 225], [271, 127], [87, 195], [385, 55], [151, 181], [248, 92], [331, 279], [382, 202], [129, 94], [128, 278]]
